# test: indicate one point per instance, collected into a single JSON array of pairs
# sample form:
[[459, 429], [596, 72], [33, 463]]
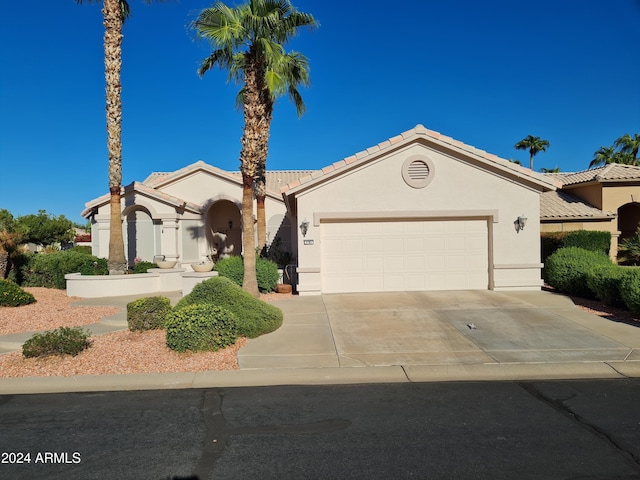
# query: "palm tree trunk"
[[260, 183], [262, 221], [249, 280], [531, 155], [113, 62]]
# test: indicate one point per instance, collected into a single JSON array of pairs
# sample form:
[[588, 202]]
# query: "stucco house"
[[419, 211], [605, 198]]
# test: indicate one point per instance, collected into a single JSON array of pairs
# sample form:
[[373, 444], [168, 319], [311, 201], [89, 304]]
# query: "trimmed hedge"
[[630, 289], [48, 269], [201, 327], [254, 316], [11, 295], [62, 341], [149, 313], [598, 241], [266, 272], [566, 270], [604, 282]]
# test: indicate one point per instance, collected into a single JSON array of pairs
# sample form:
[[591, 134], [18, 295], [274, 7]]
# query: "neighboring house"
[[605, 198], [419, 211]]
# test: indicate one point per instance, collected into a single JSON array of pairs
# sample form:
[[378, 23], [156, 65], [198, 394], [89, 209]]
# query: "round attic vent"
[[417, 171]]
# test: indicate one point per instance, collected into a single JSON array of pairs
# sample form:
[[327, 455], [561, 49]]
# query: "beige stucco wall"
[[200, 188], [457, 189]]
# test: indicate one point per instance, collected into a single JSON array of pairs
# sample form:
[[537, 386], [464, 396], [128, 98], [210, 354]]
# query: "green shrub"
[[11, 295], [254, 316], [566, 270], [18, 265], [604, 282], [149, 313], [629, 250], [201, 327], [595, 241], [95, 266], [266, 272], [86, 249], [277, 253], [49, 269], [63, 341], [142, 267], [550, 242], [630, 289]]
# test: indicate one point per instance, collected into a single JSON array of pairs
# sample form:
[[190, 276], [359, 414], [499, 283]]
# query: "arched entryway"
[[224, 229], [139, 236], [628, 219]]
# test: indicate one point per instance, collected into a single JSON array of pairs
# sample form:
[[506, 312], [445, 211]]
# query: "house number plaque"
[[308, 242]]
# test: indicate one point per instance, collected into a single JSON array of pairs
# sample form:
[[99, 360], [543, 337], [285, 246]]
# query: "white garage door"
[[404, 255]]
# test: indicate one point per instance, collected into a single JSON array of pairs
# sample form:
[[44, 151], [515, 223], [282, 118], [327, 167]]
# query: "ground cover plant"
[[11, 295], [62, 341], [254, 317]]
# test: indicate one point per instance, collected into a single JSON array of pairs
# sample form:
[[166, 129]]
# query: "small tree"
[[44, 229]]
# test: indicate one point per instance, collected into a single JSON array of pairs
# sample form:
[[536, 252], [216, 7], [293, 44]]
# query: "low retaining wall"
[[156, 280]]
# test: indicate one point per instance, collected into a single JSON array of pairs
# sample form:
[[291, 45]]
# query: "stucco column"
[[100, 236], [169, 238]]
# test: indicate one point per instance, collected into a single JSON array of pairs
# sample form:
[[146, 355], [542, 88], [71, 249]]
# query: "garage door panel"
[[404, 255]]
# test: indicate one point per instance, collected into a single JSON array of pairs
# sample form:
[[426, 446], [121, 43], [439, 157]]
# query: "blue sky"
[[485, 73]]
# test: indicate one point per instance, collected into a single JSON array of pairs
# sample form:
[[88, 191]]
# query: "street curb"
[[319, 376]]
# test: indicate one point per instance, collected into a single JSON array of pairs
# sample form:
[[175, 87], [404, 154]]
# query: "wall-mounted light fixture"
[[230, 224], [304, 227], [520, 223]]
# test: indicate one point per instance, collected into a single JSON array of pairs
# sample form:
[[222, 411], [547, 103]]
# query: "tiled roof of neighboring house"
[[611, 172], [437, 138], [564, 205]]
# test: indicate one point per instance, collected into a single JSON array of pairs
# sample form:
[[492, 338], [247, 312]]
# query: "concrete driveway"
[[433, 328]]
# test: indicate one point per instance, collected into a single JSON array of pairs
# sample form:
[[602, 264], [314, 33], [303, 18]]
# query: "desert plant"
[[629, 250], [266, 272], [604, 282], [201, 327], [11, 295], [630, 289], [94, 266], [62, 341], [566, 270], [149, 313], [254, 316]]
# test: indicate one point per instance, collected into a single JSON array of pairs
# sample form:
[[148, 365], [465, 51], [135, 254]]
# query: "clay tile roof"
[[276, 179], [561, 204], [421, 131], [611, 172]]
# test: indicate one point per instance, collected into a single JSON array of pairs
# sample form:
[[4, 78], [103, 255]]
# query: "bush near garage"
[[254, 317], [48, 269], [201, 327], [566, 270], [266, 271], [11, 295], [604, 282], [550, 242], [630, 289], [62, 341], [148, 313]]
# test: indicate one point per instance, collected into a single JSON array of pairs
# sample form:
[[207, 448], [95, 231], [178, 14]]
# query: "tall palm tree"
[[284, 78], [248, 42], [114, 13], [629, 144], [534, 145], [603, 156]]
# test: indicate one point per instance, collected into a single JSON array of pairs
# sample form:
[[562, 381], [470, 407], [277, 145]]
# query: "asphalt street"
[[583, 429]]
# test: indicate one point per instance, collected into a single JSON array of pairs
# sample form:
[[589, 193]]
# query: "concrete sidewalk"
[[396, 337]]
